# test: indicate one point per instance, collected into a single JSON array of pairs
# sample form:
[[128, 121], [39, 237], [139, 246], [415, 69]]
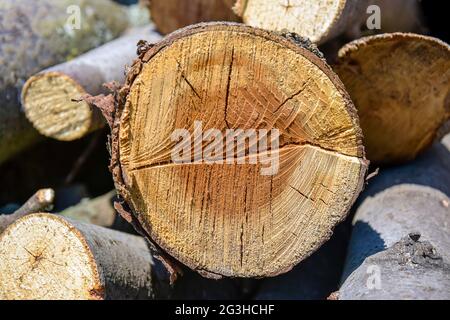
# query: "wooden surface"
[[400, 86], [229, 220]]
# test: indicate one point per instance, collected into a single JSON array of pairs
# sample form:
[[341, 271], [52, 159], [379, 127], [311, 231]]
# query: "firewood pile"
[[224, 149]]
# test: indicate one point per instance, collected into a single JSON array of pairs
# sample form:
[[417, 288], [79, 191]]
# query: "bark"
[[400, 207], [42, 200], [48, 96], [46, 256], [170, 15], [35, 35], [401, 108], [236, 221], [408, 268]]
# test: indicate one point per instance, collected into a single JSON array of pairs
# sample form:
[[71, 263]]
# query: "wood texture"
[[400, 86], [34, 36], [170, 15], [318, 20], [224, 219], [49, 257], [47, 97]]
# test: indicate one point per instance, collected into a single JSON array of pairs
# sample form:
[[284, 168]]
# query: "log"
[[409, 268], [42, 200], [399, 84], [47, 97], [34, 36], [317, 20], [170, 15], [52, 257], [49, 257], [236, 216], [411, 199]]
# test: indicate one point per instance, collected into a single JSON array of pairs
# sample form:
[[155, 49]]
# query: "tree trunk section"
[[48, 97], [230, 218], [401, 108], [35, 35], [170, 15], [318, 20], [47, 256], [400, 207]]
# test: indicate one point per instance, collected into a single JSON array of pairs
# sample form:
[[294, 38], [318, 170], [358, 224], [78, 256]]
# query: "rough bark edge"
[[113, 105], [355, 45]]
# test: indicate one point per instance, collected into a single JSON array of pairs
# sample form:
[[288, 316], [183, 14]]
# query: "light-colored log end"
[[45, 257], [317, 20], [47, 101]]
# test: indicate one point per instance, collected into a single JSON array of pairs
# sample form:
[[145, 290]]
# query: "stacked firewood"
[[336, 183]]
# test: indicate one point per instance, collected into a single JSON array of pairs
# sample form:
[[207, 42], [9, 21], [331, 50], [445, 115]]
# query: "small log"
[[170, 15], [409, 268], [42, 200], [46, 256], [230, 219], [35, 35], [47, 97], [399, 84]]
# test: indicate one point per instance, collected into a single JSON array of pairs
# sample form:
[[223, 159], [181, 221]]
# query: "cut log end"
[[400, 84], [62, 119], [30, 250], [312, 19], [229, 219]]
